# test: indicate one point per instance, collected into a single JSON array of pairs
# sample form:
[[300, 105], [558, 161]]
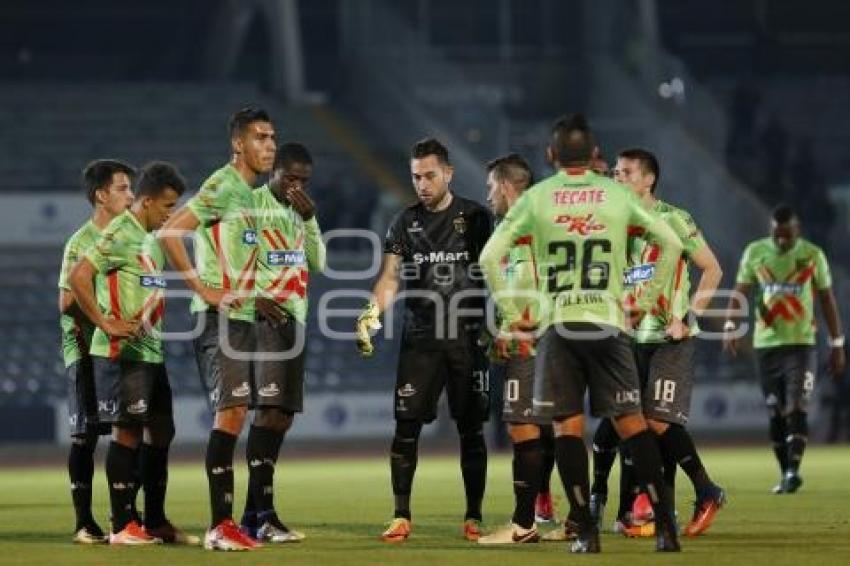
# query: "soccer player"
[[226, 257], [433, 246], [133, 393], [785, 272], [108, 186], [290, 246], [578, 223], [664, 351], [507, 178]]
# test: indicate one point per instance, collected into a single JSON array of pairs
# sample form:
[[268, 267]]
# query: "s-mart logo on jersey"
[[153, 281], [581, 225], [286, 258]]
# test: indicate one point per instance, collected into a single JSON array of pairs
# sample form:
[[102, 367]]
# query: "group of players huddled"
[[589, 278]]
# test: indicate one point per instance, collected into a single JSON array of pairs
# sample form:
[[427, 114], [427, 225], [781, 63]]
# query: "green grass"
[[342, 505]]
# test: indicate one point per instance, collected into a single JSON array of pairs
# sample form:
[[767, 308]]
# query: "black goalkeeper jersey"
[[439, 253]]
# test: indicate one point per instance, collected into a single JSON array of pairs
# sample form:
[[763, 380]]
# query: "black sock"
[[473, 467], [219, 464], [778, 435], [261, 452], [571, 457], [81, 472], [120, 473], [137, 483], [528, 458], [249, 515], [678, 444], [669, 465], [605, 442], [628, 487], [155, 480], [648, 469], [798, 432], [547, 450], [403, 460]]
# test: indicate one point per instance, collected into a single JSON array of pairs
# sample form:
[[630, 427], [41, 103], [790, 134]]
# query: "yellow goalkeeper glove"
[[367, 324]]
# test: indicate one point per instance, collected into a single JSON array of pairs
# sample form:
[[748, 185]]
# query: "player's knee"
[[523, 432], [274, 419], [231, 420], [569, 426], [605, 438], [629, 425], [127, 435], [160, 433], [658, 427], [797, 423]]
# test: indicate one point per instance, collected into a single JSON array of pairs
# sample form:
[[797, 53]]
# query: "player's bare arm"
[[710, 275], [383, 294], [730, 342], [837, 357], [170, 237], [82, 284]]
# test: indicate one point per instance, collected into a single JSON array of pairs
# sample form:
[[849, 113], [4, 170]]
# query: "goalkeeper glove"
[[367, 324]]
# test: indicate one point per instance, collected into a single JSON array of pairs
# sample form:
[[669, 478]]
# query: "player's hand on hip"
[[302, 203], [677, 329], [117, 328], [367, 324], [837, 362], [269, 310], [221, 298]]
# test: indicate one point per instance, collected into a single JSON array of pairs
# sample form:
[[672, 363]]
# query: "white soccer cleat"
[[87, 535], [278, 533], [512, 534]]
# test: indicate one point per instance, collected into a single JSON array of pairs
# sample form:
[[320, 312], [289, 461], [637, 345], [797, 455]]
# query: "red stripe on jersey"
[[525, 240], [219, 252], [654, 252], [804, 276], [247, 274], [282, 238], [680, 268], [115, 307], [270, 238], [633, 231]]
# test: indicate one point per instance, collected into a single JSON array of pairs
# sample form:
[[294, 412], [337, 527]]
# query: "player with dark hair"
[[108, 186], [433, 246], [133, 392], [578, 223], [507, 178], [785, 271], [664, 354], [291, 246], [222, 214]]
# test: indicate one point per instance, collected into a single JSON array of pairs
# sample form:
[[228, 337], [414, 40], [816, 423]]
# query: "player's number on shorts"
[[512, 390], [480, 381], [665, 390], [594, 273]]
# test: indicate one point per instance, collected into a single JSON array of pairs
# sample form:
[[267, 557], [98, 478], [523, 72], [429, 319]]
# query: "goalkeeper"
[[433, 246]]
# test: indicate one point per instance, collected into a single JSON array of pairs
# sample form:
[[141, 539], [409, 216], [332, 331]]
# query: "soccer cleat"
[[597, 508], [169, 534], [472, 530], [275, 532], [643, 530], [791, 482], [544, 510], [667, 541], [587, 543], [642, 509], [398, 531], [705, 509], [778, 489], [568, 532], [133, 534], [228, 536], [90, 534], [512, 534]]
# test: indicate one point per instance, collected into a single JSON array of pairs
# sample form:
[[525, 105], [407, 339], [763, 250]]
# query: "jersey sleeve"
[[823, 277], [396, 241], [689, 234], [660, 232], [70, 256], [518, 222], [314, 246], [107, 254], [746, 273], [211, 201]]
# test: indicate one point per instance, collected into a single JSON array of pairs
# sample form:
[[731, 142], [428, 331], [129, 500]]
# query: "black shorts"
[[787, 376], [519, 394], [131, 392], [666, 373], [576, 357], [426, 367], [227, 380], [280, 382], [82, 400]]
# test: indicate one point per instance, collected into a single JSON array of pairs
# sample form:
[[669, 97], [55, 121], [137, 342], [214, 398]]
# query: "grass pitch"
[[342, 505]]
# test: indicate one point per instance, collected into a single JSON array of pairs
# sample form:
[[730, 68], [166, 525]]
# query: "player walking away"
[[507, 178], [664, 354], [133, 392], [578, 223], [785, 271], [434, 246], [225, 255], [108, 186], [290, 246]]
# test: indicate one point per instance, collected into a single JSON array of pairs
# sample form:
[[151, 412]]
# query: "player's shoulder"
[[469, 205], [221, 180], [86, 232], [263, 196], [809, 248], [761, 246]]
